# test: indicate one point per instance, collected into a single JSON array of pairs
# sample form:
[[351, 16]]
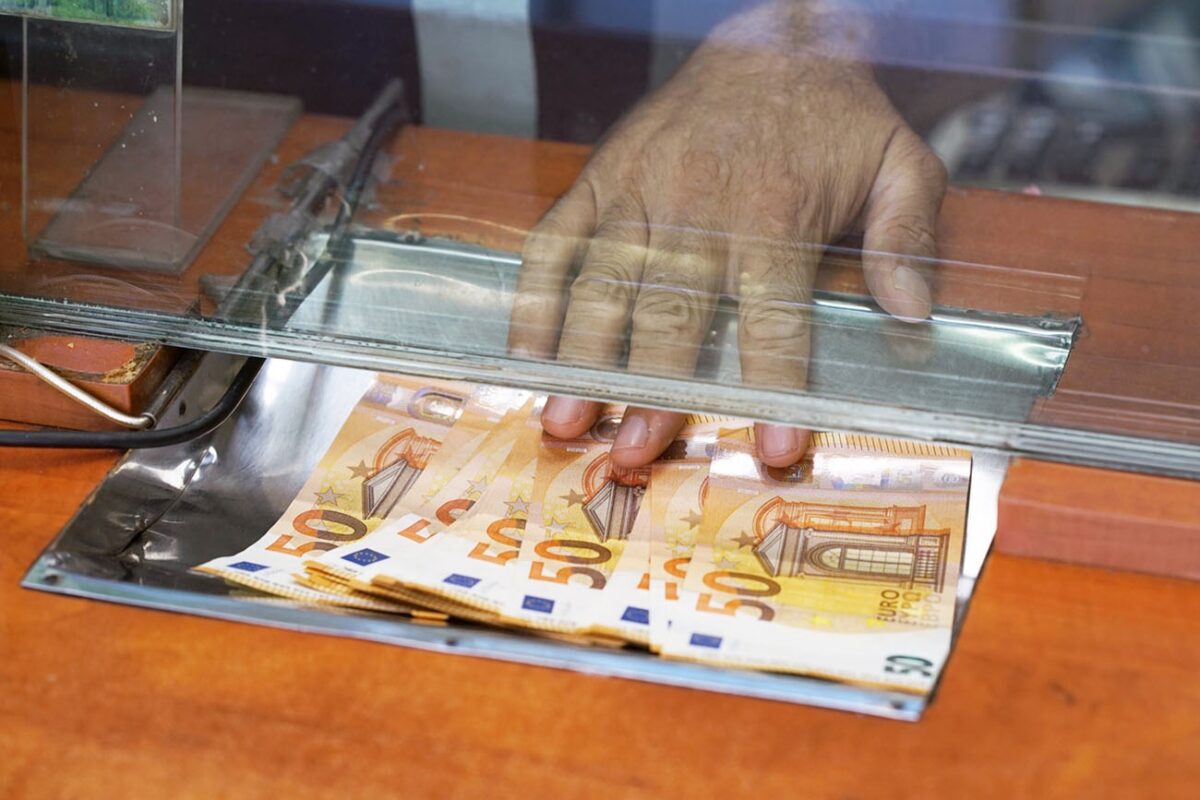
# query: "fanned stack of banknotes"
[[445, 500]]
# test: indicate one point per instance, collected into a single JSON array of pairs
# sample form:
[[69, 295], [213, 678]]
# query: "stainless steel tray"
[[442, 296], [161, 512]]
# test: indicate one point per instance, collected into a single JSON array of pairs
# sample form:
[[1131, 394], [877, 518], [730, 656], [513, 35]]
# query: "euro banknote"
[[583, 512], [843, 566], [470, 563], [439, 500], [676, 502], [386, 444], [405, 536], [633, 604]]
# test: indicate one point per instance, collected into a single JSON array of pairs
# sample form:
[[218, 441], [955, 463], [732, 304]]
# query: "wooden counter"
[[1130, 273], [1066, 682]]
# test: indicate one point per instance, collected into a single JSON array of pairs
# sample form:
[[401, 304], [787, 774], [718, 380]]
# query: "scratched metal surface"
[[444, 296]]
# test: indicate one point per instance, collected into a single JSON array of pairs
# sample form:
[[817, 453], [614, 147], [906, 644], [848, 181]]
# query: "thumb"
[[901, 216]]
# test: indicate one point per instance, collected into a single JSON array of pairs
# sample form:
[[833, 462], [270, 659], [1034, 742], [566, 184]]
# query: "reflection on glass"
[[793, 209]]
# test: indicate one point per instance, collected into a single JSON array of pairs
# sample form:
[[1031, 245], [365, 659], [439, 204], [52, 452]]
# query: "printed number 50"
[[566, 550], [909, 665]]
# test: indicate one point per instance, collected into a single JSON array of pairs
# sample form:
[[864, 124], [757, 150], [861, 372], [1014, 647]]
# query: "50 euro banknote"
[[407, 537], [842, 567], [389, 449], [678, 485], [653, 562], [583, 512], [469, 564]]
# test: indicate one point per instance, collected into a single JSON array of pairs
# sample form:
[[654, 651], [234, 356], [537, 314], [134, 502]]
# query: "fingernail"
[[912, 294], [632, 435], [564, 410], [777, 440]]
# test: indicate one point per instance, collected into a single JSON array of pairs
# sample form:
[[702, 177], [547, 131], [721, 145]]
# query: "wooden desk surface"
[[1066, 682]]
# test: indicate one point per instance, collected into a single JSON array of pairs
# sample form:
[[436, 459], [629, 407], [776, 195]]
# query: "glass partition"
[[972, 222]]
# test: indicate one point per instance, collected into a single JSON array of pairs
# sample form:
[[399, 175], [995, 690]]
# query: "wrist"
[[788, 41], [839, 29]]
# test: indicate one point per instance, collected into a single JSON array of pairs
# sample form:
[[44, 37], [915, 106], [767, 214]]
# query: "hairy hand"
[[730, 179]]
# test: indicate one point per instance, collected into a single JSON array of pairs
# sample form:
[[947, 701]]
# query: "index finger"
[[775, 282], [551, 250]]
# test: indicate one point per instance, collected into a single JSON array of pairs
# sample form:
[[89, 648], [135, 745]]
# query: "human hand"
[[731, 179]]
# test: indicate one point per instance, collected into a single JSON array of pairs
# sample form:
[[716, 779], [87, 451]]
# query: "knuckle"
[[552, 226], [786, 271], [925, 163], [795, 199], [772, 324], [671, 312], [914, 231], [706, 164], [617, 251], [675, 269], [597, 296], [931, 167], [625, 209], [612, 263], [548, 229]]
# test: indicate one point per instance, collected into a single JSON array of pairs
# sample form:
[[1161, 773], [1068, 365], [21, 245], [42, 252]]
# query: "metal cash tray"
[[160, 512]]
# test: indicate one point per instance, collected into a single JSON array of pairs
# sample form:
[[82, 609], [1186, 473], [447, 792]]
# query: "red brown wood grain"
[[1066, 682], [123, 374]]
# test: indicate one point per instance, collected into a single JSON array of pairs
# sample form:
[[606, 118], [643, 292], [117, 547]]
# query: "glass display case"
[[971, 224]]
